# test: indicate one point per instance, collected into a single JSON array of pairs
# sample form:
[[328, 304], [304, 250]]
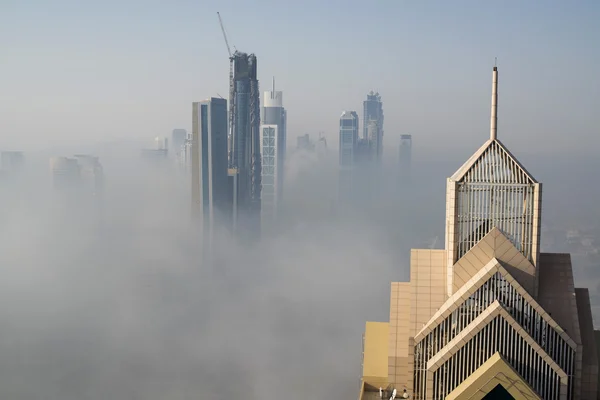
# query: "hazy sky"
[[98, 70]]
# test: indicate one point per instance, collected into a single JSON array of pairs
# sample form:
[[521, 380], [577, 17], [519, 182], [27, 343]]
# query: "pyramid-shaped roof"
[[493, 163]]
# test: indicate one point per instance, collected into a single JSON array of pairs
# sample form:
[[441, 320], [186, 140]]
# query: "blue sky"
[[89, 71]]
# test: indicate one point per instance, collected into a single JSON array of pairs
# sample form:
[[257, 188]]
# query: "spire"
[[273, 87], [494, 116]]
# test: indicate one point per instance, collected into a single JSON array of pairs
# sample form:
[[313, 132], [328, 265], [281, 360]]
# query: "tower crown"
[[492, 189]]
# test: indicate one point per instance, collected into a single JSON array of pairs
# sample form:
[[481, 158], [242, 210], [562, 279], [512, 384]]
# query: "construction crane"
[[224, 34], [230, 141]]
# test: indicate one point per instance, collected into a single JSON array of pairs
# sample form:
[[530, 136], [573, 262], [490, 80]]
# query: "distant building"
[[66, 174], [209, 165], [373, 124], [490, 316], [321, 146], [273, 152], [159, 151], [347, 153], [348, 137], [363, 155], [91, 174], [154, 155], [185, 156], [405, 155], [303, 142], [178, 139], [245, 147]]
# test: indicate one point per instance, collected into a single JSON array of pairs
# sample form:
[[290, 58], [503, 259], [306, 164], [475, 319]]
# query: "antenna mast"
[[494, 113]]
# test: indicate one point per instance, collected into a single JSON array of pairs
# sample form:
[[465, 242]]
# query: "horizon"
[[144, 83]]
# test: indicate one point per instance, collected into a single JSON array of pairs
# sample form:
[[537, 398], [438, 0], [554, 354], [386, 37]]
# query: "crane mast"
[[230, 141]]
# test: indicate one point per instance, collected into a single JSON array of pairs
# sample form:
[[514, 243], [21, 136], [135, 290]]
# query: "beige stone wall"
[[427, 286], [399, 359]]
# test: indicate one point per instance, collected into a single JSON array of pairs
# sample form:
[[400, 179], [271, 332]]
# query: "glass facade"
[[269, 166], [348, 137]]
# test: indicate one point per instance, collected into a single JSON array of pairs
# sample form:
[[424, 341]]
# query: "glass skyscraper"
[[373, 123], [209, 163], [348, 149], [244, 146], [273, 147]]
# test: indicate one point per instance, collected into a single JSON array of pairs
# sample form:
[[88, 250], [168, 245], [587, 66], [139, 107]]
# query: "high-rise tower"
[[373, 124], [348, 149], [488, 314], [209, 165], [405, 155], [272, 149], [348, 137], [244, 145]]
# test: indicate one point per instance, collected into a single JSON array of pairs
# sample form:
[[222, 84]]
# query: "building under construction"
[[244, 156], [244, 146]]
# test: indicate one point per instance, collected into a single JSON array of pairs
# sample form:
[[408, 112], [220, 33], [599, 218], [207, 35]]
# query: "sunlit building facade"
[[489, 316]]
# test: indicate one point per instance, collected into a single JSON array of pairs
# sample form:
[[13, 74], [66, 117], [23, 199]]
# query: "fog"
[[120, 305]]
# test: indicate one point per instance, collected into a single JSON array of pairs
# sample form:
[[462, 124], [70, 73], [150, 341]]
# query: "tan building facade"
[[489, 316]]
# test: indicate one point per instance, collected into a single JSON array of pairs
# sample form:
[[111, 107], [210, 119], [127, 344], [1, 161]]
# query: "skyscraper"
[[209, 165], [303, 142], [178, 140], [489, 314], [158, 153], [273, 148], [321, 146], [185, 157], [373, 123], [92, 174], [405, 155], [348, 137], [348, 148], [244, 146], [66, 176]]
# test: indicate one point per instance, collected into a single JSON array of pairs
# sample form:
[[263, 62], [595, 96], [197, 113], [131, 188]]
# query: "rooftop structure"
[[489, 315]]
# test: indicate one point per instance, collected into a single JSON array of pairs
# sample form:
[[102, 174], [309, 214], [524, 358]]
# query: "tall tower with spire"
[[273, 145], [488, 316]]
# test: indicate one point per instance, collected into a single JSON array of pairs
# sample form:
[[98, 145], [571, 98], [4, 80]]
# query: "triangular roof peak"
[[493, 163]]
